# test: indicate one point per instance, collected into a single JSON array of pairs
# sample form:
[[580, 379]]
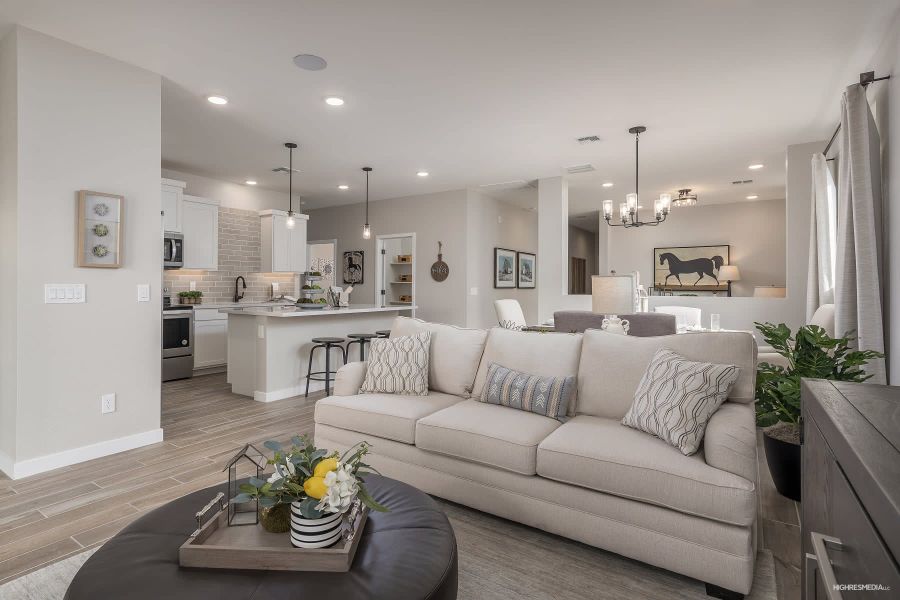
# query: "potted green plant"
[[810, 353], [193, 297]]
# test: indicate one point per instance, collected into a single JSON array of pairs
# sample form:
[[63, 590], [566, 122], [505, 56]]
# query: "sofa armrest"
[[730, 440], [349, 379], [773, 358]]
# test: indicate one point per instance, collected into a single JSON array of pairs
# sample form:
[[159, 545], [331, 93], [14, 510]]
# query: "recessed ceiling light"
[[756, 166], [334, 101], [217, 99], [310, 62], [343, 186], [752, 197], [250, 182], [608, 184], [422, 173]]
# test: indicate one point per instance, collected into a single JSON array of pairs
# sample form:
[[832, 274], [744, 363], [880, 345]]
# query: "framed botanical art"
[[526, 274], [98, 239], [504, 268], [354, 266], [690, 268]]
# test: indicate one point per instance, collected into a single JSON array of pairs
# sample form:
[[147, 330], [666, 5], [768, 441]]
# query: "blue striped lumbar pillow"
[[548, 396], [677, 397]]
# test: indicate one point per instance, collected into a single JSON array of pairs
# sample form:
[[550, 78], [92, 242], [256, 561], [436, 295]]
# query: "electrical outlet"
[[274, 288], [107, 403], [261, 332], [193, 286], [473, 291]]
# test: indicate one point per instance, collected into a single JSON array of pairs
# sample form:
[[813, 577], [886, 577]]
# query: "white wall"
[[8, 248], [754, 230], [85, 121], [885, 96], [431, 217], [232, 195], [495, 224]]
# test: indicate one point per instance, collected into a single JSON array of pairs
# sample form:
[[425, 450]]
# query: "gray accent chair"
[[640, 324]]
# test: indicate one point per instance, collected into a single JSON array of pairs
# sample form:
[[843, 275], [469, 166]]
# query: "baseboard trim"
[[297, 390], [41, 464]]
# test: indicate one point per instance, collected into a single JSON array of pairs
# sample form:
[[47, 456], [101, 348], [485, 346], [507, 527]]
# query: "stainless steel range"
[[177, 342]]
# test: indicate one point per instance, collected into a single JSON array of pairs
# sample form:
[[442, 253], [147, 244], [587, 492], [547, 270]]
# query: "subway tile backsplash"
[[239, 254]]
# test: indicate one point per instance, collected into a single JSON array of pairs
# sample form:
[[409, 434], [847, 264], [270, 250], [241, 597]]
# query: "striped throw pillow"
[[676, 398], [398, 365], [548, 396]]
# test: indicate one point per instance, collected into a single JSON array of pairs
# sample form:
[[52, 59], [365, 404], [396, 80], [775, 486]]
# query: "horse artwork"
[[690, 268], [354, 261]]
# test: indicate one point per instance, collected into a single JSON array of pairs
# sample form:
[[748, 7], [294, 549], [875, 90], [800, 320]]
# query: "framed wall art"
[[526, 272], [354, 266], [98, 239], [504, 268], [690, 268]]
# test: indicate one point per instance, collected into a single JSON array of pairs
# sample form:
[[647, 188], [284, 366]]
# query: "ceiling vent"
[[588, 139], [741, 181], [586, 168], [284, 170]]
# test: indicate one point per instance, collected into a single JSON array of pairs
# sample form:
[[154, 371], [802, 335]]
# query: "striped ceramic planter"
[[314, 533]]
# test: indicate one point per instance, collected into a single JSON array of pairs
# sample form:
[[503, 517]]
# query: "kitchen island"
[[268, 347]]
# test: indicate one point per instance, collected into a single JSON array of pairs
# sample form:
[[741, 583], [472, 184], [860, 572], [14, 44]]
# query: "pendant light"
[[290, 216], [629, 210], [367, 231]]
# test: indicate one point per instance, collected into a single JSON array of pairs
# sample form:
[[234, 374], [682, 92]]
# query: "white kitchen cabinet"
[[200, 226], [172, 200], [283, 249], [210, 338]]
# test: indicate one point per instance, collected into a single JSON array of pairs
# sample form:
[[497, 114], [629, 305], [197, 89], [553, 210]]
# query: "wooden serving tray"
[[215, 545]]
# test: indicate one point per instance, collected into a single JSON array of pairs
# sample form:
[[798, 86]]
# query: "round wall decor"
[[440, 270]]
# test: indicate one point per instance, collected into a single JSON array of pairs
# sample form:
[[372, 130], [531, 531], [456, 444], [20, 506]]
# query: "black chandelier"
[[628, 210]]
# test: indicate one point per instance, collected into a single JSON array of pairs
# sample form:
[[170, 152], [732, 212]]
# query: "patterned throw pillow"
[[677, 397], [398, 365], [548, 396]]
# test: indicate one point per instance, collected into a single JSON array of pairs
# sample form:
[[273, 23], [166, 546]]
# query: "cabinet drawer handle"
[[819, 561]]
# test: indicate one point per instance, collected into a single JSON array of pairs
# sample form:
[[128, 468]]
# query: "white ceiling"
[[483, 92]]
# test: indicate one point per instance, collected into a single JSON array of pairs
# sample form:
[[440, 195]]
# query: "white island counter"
[[268, 347]]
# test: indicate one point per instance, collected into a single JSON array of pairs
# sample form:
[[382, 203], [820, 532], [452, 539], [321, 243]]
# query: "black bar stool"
[[383, 333], [362, 339], [329, 344]]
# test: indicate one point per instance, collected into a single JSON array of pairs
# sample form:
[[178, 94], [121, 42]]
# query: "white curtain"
[[822, 237], [858, 268]]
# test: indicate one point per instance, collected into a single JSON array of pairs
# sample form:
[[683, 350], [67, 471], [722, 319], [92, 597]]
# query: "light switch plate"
[[274, 288], [261, 332], [193, 286], [473, 291], [143, 292], [64, 293]]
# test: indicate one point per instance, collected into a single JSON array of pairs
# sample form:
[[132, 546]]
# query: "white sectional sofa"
[[589, 479]]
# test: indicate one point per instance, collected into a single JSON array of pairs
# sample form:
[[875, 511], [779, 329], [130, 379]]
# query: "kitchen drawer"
[[209, 314]]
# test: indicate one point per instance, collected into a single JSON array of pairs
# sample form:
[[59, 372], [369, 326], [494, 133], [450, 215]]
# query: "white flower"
[[342, 489], [274, 477]]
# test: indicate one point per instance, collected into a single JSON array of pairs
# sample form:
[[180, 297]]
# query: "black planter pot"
[[784, 464]]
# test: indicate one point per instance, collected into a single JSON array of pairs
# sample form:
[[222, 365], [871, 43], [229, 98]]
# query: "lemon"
[[329, 464], [315, 487]]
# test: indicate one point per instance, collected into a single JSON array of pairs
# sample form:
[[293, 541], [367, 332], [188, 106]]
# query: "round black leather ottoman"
[[408, 553]]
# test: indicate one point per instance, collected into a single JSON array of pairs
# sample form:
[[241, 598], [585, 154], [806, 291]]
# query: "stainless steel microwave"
[[173, 250]]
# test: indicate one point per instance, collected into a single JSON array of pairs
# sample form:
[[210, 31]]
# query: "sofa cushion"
[[486, 433], [547, 396], [398, 365], [604, 455], [455, 353], [391, 416], [676, 398], [546, 354], [612, 366]]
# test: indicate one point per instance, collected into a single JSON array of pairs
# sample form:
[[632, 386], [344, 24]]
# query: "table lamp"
[[729, 273]]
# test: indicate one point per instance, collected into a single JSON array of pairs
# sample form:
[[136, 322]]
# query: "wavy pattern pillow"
[[398, 365], [548, 396], [677, 397]]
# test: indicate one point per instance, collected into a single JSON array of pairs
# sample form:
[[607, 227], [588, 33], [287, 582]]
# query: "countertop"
[[285, 311], [248, 304]]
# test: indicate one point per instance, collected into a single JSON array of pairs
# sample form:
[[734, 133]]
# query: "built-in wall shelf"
[[394, 278], [403, 282], [398, 303], [401, 263]]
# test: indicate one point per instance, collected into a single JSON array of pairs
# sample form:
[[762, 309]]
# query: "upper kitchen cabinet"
[[172, 200], [200, 226], [283, 248]]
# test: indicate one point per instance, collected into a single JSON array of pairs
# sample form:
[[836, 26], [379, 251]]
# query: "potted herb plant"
[[309, 491], [194, 297], [810, 353]]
